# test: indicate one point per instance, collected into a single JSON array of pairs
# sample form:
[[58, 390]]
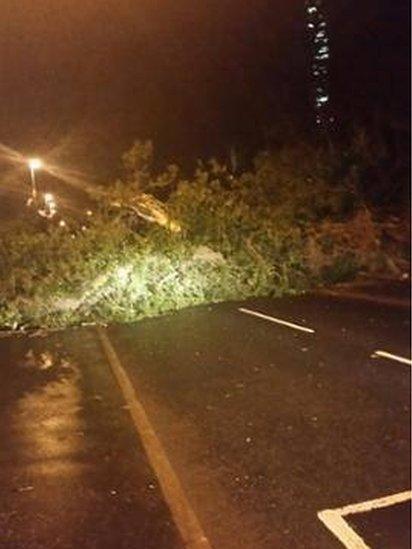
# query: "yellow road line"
[[184, 516]]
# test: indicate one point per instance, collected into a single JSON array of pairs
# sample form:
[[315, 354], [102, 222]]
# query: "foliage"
[[294, 220]]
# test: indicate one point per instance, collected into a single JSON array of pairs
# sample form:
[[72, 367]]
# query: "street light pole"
[[33, 183], [34, 164]]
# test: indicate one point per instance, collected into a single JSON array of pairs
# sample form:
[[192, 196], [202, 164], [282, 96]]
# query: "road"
[[227, 429]]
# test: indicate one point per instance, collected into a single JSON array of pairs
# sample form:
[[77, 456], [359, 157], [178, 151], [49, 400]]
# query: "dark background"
[[80, 79]]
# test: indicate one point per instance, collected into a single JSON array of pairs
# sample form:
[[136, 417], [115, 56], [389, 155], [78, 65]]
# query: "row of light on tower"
[[320, 52]]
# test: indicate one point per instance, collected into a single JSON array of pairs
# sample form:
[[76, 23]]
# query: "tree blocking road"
[[264, 426]]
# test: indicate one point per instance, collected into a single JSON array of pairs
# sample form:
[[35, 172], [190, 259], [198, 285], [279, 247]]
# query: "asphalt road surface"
[[212, 427]]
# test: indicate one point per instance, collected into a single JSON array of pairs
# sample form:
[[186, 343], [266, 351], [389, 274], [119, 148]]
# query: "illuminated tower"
[[320, 55]]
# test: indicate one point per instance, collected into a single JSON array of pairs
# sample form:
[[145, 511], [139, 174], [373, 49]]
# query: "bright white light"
[[312, 9], [35, 163], [122, 273], [62, 223], [50, 207], [89, 213]]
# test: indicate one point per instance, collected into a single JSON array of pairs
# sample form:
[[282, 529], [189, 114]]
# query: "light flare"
[[35, 163]]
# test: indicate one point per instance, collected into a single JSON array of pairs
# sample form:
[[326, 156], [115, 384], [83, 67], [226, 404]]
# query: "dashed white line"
[[390, 356], [334, 521], [184, 516], [277, 320]]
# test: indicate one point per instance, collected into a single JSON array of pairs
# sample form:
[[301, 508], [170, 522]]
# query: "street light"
[[34, 164], [50, 207]]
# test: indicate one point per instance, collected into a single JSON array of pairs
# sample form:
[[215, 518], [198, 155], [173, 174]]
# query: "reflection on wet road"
[[71, 473]]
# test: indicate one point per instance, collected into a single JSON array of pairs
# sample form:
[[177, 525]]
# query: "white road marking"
[[334, 521], [378, 503], [391, 356], [341, 529], [277, 320], [184, 516]]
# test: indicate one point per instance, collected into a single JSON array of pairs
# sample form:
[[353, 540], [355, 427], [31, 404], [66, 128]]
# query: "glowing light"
[[123, 273], [89, 213], [84, 228], [62, 223], [50, 207], [35, 163], [312, 9]]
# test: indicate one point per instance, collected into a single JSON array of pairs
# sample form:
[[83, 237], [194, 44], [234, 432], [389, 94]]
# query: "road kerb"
[[183, 514], [361, 296]]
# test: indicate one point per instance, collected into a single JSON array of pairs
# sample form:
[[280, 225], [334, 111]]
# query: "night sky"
[[80, 79]]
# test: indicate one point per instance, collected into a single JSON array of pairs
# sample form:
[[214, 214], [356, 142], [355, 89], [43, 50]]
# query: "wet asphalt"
[[265, 426], [72, 472]]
